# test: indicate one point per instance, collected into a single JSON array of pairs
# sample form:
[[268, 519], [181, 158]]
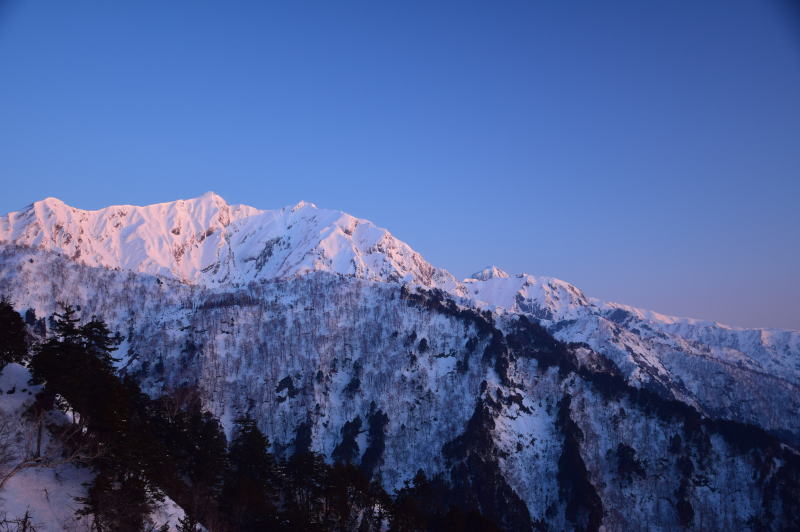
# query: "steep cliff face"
[[538, 405]]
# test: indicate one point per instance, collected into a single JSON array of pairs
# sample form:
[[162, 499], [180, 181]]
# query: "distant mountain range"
[[309, 319]]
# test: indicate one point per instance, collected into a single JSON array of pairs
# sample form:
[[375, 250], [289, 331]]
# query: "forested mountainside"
[[512, 397]]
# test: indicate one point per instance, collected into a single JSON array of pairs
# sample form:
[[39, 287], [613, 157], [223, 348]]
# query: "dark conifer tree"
[[13, 336], [99, 342], [207, 461], [199, 447], [412, 505], [188, 524], [65, 324], [117, 502], [306, 483], [250, 484], [30, 317], [347, 494], [76, 365]]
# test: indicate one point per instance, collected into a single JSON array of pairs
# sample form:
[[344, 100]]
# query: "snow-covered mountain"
[[310, 319], [751, 375], [208, 242]]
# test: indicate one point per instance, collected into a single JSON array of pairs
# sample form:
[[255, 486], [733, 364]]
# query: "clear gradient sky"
[[648, 152]]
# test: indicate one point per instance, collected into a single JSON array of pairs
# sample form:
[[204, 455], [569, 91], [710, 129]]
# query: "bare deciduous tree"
[[22, 445], [17, 524]]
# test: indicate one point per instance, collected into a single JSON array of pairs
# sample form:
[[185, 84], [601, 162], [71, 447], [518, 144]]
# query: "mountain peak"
[[212, 196], [208, 199], [301, 204], [490, 272], [49, 201]]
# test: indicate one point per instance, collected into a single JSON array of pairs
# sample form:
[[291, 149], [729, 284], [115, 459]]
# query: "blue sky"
[[648, 153]]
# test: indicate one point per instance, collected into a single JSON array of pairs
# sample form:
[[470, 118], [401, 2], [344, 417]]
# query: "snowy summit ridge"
[[206, 241], [490, 272], [209, 242]]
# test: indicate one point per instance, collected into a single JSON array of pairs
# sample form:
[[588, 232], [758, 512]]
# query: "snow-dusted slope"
[[44, 493], [752, 375], [544, 298], [309, 354]]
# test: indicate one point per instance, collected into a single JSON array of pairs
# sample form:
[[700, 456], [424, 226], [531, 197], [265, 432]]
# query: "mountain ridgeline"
[[342, 382]]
